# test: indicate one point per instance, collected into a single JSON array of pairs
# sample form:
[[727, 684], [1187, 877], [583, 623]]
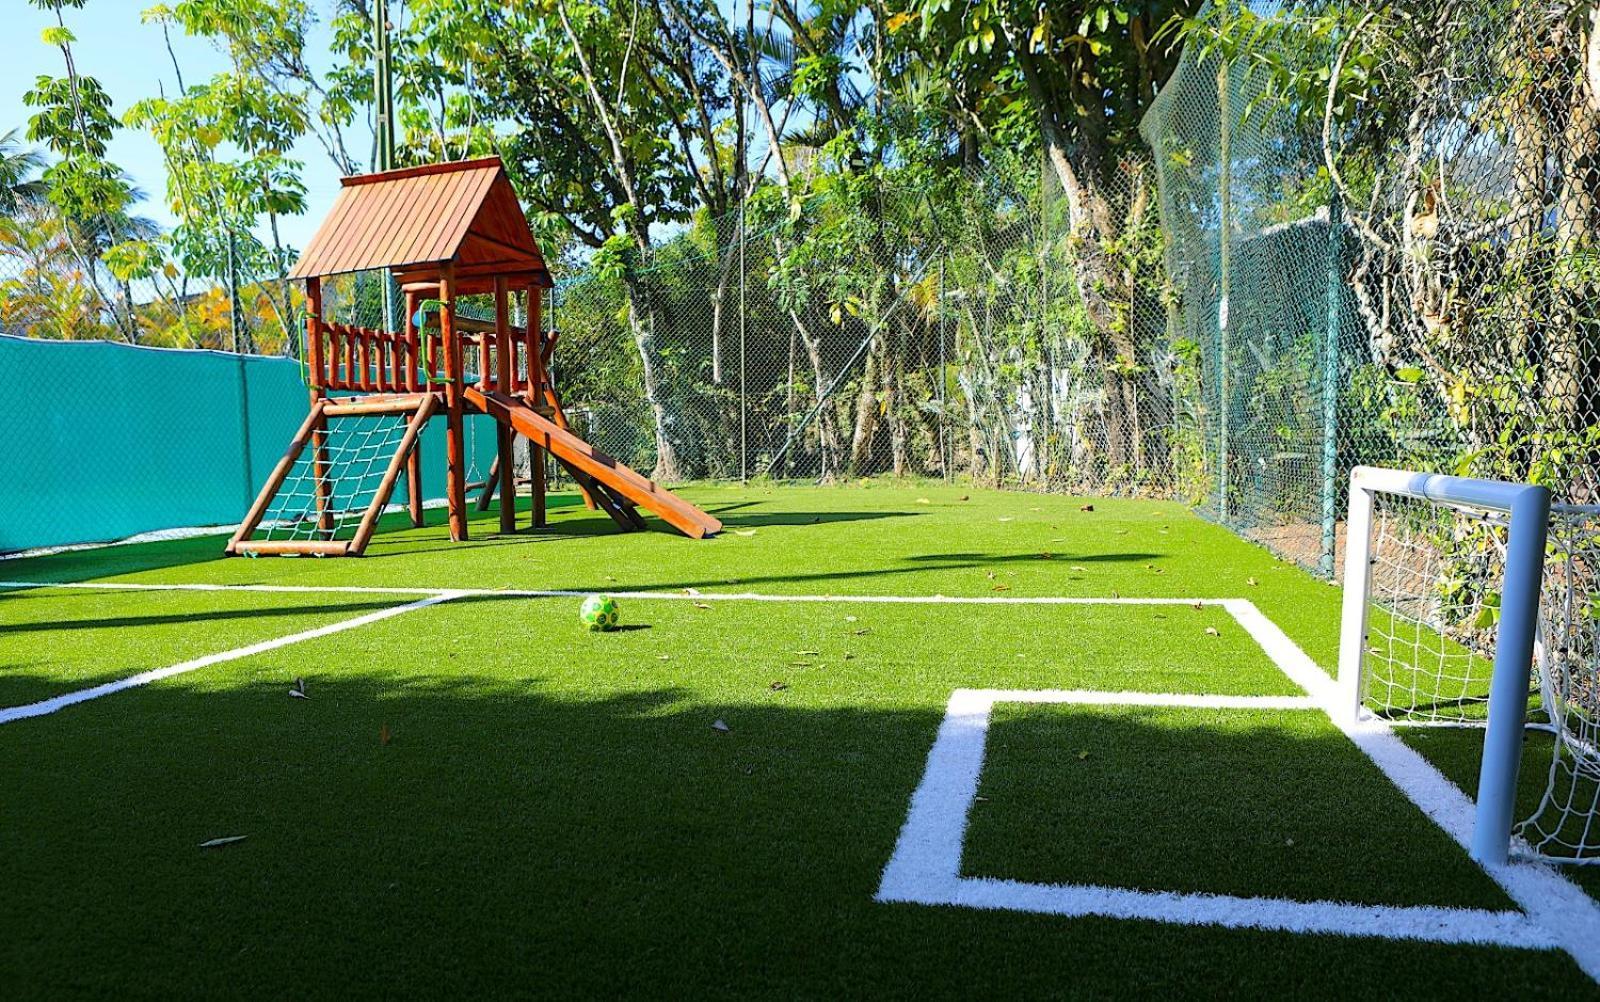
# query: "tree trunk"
[[866, 408], [827, 436], [642, 318]]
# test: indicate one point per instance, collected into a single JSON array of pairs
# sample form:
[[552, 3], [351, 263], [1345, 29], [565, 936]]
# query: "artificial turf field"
[[478, 797]]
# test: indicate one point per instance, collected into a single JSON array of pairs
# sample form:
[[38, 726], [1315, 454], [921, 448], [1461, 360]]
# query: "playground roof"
[[464, 212]]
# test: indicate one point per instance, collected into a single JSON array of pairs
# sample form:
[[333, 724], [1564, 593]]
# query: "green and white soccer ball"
[[599, 612]]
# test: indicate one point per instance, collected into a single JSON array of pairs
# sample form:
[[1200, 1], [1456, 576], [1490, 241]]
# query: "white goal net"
[[1434, 583], [1566, 824]]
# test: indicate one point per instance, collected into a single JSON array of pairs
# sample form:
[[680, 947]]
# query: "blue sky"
[[131, 63]]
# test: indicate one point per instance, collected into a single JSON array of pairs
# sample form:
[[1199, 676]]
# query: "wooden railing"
[[370, 360]]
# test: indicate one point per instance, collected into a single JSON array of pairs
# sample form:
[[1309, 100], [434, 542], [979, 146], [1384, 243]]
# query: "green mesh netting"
[[105, 440]]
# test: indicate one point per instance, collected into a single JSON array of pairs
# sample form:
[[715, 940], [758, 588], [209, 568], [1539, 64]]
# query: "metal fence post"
[[1330, 383], [744, 402]]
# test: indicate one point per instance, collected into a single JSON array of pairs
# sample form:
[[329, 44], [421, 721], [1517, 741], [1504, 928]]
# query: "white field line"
[[666, 596], [1555, 903], [926, 865], [55, 703]]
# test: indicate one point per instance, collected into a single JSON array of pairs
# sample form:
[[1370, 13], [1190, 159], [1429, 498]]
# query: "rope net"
[[326, 500], [1566, 825], [1434, 598]]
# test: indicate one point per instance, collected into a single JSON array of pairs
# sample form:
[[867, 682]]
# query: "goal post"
[[1442, 581]]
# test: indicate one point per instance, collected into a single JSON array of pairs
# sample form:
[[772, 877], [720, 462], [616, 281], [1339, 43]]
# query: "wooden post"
[[314, 337], [412, 381], [536, 460], [319, 433], [505, 359], [455, 438]]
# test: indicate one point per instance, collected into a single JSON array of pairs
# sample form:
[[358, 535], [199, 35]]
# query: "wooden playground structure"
[[443, 231]]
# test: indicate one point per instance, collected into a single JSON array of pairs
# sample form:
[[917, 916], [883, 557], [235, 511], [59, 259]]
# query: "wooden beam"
[[314, 335], [413, 381], [376, 405], [455, 439], [505, 459], [278, 547]]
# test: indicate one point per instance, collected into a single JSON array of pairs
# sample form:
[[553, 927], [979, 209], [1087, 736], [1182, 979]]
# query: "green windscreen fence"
[[103, 441]]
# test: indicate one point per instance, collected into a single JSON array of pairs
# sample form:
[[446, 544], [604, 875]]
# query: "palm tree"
[[19, 168]]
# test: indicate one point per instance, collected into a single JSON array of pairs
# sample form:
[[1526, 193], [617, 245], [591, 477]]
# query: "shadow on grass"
[[429, 831], [198, 618]]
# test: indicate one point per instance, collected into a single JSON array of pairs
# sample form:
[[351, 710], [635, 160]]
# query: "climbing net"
[[325, 500]]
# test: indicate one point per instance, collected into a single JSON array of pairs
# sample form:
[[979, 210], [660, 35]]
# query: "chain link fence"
[[1395, 269], [878, 328]]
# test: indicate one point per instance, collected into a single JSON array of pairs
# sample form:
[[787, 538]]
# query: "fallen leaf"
[[1087, 507], [1080, 570], [778, 686], [213, 843], [1006, 518], [962, 498], [1047, 555], [744, 532], [1252, 582], [923, 501], [663, 657], [701, 605], [1001, 587], [383, 734], [1211, 631], [861, 632], [850, 619], [1082, 755], [719, 726], [809, 654]]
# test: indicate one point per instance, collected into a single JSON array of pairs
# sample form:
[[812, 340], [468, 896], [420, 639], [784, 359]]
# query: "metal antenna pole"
[[383, 121]]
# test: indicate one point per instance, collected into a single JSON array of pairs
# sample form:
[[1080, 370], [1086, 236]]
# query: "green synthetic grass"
[[1205, 800], [554, 814], [55, 640]]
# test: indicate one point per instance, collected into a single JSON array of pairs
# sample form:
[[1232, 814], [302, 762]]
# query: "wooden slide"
[[616, 488]]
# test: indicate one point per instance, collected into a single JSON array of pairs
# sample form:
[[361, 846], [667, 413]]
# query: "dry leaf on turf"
[[701, 605], [1080, 570], [1252, 582], [213, 843], [1087, 507], [923, 501], [720, 727], [383, 734], [778, 686], [744, 532], [1211, 631]]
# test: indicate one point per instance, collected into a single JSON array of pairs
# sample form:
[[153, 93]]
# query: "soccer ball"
[[599, 612]]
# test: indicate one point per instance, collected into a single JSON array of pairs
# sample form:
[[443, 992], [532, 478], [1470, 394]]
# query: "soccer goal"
[[1441, 605]]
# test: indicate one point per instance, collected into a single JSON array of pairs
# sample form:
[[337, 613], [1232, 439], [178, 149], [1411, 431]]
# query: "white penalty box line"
[[925, 867]]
